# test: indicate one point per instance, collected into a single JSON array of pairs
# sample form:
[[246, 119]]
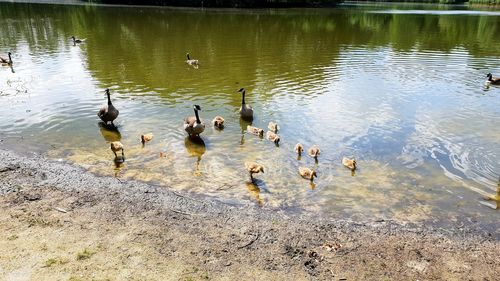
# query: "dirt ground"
[[58, 222]]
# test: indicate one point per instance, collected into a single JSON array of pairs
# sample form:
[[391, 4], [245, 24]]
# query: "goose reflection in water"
[[243, 125], [110, 134], [195, 147]]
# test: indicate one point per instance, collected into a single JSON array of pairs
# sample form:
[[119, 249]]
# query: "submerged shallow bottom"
[[64, 221]]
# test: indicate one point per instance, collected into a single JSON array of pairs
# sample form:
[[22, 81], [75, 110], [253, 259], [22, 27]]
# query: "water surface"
[[402, 92]]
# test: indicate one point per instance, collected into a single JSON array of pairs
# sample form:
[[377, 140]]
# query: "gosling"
[[146, 137], [273, 137], [218, 122], [314, 151], [349, 163], [255, 131], [273, 127], [117, 146], [299, 149], [253, 168], [307, 173]]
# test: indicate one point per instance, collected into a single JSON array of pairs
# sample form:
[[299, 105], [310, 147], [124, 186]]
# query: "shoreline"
[[60, 222]]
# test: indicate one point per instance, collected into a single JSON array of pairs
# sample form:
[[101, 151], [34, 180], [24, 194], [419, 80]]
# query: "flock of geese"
[[194, 126]]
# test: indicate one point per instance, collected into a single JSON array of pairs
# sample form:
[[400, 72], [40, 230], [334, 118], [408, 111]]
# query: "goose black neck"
[[197, 116], [188, 57], [109, 98], [10, 59], [243, 97]]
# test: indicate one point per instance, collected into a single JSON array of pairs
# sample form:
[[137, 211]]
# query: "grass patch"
[[54, 261], [12, 237], [84, 255]]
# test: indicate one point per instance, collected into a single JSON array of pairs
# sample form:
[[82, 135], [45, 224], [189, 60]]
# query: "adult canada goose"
[[273, 127], [193, 125], [246, 111], [255, 131], [349, 163], [492, 80], [307, 173], [190, 61], [108, 113], [299, 149], [253, 168], [117, 146], [6, 61], [76, 41], [146, 137], [273, 137], [314, 152], [218, 122]]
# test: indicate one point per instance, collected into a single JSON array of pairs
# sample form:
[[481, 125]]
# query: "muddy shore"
[[58, 222]]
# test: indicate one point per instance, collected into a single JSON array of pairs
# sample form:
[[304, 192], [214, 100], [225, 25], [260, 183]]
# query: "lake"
[[398, 87]]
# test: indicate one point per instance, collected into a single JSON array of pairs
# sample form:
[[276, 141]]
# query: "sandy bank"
[[58, 222]]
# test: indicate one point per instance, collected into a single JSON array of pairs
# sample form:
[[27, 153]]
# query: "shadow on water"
[[255, 188], [195, 147]]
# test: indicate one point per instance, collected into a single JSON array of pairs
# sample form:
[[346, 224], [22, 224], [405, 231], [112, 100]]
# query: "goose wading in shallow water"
[[246, 111], [492, 80], [193, 125], [108, 113], [218, 122], [6, 61], [307, 173], [253, 168], [190, 61]]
